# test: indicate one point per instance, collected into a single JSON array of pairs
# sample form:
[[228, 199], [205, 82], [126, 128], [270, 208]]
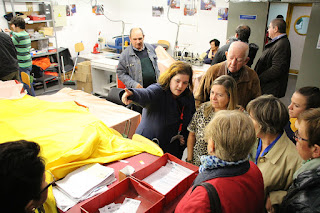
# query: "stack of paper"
[[81, 184], [167, 177], [129, 205]]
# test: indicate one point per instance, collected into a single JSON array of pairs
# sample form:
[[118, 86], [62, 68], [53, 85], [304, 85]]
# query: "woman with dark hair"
[[303, 99], [274, 153], [168, 107], [214, 46], [22, 177], [303, 194]]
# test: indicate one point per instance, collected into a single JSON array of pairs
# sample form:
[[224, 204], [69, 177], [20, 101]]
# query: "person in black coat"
[[168, 107], [274, 63], [304, 193], [8, 59], [242, 34]]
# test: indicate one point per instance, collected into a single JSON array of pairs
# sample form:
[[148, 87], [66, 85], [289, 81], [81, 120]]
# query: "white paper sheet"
[[167, 177]]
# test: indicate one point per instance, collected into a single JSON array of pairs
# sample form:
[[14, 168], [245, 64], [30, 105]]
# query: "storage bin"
[[151, 201], [162, 161]]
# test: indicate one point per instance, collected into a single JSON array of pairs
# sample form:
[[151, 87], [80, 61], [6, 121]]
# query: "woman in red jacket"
[[238, 182]]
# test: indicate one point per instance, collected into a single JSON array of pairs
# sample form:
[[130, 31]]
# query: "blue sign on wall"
[[248, 17]]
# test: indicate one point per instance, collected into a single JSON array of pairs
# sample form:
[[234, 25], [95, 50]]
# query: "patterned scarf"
[[212, 162]]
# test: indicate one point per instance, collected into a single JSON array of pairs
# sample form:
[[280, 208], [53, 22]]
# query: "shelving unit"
[[33, 24]]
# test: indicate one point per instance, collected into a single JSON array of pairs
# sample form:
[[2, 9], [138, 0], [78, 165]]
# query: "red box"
[[162, 161], [37, 17], [151, 201]]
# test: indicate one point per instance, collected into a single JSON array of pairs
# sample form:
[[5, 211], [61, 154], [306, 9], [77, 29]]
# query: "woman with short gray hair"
[[274, 153], [237, 181]]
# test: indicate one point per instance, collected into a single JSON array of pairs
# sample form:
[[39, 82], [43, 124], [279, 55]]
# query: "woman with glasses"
[[23, 187], [301, 100], [223, 96], [168, 107], [274, 153], [303, 194]]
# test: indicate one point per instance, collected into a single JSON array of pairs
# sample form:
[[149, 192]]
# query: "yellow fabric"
[[69, 136], [292, 124]]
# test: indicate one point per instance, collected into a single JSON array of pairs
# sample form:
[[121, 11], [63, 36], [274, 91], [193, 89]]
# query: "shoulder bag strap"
[[214, 199]]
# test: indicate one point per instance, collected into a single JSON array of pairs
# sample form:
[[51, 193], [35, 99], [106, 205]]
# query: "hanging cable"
[[178, 26]]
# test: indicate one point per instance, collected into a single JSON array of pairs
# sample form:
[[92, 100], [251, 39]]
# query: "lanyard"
[[181, 120], [266, 149]]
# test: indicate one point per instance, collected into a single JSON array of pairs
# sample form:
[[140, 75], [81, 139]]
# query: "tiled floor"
[[51, 89]]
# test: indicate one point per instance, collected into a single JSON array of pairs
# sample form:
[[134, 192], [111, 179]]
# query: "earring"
[[33, 209]]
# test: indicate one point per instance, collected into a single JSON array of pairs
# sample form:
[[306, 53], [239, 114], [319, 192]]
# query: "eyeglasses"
[[52, 180], [297, 137]]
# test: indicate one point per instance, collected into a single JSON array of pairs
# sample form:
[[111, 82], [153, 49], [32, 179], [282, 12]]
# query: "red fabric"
[[120, 84], [241, 194], [43, 62]]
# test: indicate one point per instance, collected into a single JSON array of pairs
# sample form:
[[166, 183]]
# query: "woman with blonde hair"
[[168, 107], [223, 96], [274, 153], [238, 183]]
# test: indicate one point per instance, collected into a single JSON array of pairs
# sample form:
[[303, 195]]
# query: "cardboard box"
[[83, 77], [84, 86], [84, 67], [151, 201], [162, 161], [47, 31]]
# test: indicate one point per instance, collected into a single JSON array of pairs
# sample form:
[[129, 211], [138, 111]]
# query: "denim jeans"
[[25, 86]]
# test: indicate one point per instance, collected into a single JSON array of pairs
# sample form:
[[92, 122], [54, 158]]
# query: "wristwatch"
[[188, 161]]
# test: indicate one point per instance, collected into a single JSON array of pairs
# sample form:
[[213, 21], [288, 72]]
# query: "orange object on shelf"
[[37, 17]]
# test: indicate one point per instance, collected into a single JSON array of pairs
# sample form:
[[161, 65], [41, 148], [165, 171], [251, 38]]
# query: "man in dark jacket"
[[274, 63], [8, 59], [242, 33]]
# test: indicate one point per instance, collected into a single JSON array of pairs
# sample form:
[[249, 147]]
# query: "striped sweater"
[[22, 43]]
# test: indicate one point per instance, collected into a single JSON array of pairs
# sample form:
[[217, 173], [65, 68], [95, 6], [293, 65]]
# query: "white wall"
[[84, 25], [277, 9]]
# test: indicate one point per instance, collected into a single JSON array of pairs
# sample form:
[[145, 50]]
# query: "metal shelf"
[[35, 22], [48, 22], [42, 38], [48, 53]]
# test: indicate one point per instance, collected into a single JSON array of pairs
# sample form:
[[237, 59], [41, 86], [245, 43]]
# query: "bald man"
[[138, 66], [248, 84]]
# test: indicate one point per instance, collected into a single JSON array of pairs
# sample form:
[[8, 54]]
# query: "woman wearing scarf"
[[238, 182]]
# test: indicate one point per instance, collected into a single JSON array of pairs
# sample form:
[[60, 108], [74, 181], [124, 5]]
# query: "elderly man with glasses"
[[248, 83]]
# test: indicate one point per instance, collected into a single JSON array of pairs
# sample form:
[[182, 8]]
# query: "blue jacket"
[[207, 60], [129, 68], [161, 116]]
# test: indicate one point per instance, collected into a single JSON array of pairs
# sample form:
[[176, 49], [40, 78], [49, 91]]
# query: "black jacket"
[[273, 67], [220, 56], [304, 194], [8, 56]]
